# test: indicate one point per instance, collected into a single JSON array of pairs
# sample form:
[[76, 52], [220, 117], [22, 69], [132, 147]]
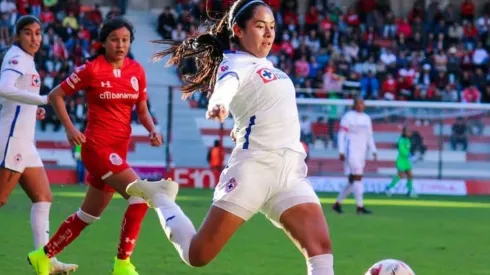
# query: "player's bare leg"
[[359, 195], [195, 248], [305, 224], [8, 181], [337, 207], [394, 182], [131, 224]]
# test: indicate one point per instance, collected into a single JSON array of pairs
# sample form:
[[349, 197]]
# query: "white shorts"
[[267, 181], [17, 154], [354, 167]]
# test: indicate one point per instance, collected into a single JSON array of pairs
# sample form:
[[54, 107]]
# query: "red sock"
[[68, 231], [130, 229]]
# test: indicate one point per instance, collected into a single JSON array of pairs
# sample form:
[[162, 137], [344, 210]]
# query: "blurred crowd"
[[439, 52]]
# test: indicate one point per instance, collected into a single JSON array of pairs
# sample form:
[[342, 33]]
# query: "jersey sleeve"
[[78, 80], [17, 63], [142, 86], [227, 86]]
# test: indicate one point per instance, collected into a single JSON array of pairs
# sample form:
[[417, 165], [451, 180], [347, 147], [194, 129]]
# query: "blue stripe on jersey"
[[229, 73], [8, 69], [248, 131], [12, 128], [229, 52]]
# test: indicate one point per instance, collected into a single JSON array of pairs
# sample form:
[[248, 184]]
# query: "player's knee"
[[318, 246], [199, 256], [43, 198]]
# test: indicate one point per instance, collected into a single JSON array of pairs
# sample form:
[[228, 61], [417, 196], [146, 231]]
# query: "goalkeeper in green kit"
[[403, 164]]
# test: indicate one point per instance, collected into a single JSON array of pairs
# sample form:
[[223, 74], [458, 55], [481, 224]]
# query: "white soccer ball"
[[390, 267]]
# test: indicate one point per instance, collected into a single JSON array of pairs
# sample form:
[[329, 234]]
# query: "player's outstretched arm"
[[9, 91], [56, 99]]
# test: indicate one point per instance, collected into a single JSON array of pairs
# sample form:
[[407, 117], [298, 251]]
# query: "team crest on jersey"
[[266, 75], [230, 185], [135, 84], [36, 81], [115, 159]]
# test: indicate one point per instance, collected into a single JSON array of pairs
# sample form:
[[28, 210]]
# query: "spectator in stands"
[[216, 157], [369, 86], [471, 94], [8, 12], [417, 144], [166, 23], [306, 134], [459, 134]]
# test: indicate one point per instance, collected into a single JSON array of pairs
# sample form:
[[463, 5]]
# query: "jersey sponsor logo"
[[117, 73], [115, 159], [109, 95], [135, 84], [105, 84], [36, 81], [224, 68], [13, 61], [231, 184], [266, 75]]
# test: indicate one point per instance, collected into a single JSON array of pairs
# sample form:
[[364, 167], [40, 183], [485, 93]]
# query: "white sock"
[[177, 226], [320, 265], [344, 193], [40, 223], [358, 193]]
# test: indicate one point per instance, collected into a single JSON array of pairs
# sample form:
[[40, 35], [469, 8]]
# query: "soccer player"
[[403, 164], [113, 85], [267, 171], [355, 138], [19, 159]]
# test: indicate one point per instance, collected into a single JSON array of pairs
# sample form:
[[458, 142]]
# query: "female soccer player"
[[19, 160], [266, 171], [114, 84], [403, 164]]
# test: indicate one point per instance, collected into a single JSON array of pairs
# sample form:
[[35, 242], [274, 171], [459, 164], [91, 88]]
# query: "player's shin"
[[409, 185], [69, 230], [345, 192], [358, 193], [177, 226], [40, 223], [320, 265], [131, 226], [393, 183]]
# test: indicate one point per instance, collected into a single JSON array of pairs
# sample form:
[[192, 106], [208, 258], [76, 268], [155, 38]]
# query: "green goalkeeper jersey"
[[404, 145]]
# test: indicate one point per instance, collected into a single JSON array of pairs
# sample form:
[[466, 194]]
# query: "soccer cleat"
[[59, 268], [412, 195], [123, 267], [337, 207], [39, 262], [363, 211], [388, 193], [148, 189]]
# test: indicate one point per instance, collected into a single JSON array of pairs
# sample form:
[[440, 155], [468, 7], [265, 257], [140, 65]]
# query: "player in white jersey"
[[266, 172], [354, 140], [19, 160]]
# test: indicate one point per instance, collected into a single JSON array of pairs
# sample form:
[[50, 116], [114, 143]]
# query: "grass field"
[[435, 235]]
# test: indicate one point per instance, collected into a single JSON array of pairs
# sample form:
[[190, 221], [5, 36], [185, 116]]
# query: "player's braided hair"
[[207, 49]]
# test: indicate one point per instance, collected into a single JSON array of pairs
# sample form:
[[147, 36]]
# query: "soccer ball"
[[390, 267]]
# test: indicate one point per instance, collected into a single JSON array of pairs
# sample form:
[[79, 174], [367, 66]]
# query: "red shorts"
[[102, 163]]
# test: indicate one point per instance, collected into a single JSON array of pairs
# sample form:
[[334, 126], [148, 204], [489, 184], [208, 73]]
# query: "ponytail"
[[207, 50]]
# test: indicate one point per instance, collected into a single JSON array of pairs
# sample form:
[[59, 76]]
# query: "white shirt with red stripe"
[[356, 136]]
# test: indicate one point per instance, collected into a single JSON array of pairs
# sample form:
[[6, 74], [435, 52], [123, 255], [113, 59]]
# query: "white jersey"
[[262, 101], [18, 99], [356, 136]]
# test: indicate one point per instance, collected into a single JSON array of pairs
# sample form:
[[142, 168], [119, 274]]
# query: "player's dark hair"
[[24, 21], [207, 49], [111, 25]]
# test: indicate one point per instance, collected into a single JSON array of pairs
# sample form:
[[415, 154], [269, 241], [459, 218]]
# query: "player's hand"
[[41, 113], [232, 135], [218, 113], [375, 156], [342, 157], [75, 137], [156, 139]]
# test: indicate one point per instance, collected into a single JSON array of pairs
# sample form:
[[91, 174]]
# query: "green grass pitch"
[[434, 235]]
